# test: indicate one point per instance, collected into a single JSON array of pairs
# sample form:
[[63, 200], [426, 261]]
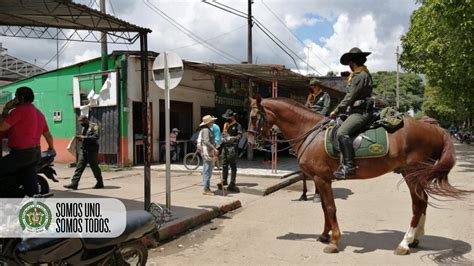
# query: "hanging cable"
[[265, 30], [212, 38], [293, 34], [258, 26], [190, 34]]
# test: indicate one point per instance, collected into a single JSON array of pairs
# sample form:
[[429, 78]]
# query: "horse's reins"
[[261, 120]]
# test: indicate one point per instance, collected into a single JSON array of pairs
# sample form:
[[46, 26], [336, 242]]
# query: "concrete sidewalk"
[[189, 208]]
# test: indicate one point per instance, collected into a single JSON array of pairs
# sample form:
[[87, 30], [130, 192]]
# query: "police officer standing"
[[231, 134], [317, 100], [357, 104], [88, 154]]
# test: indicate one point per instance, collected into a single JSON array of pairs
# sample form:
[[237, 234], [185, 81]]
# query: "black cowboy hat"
[[228, 114], [353, 53]]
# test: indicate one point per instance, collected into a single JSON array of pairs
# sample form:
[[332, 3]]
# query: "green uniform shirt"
[[359, 89], [320, 103]]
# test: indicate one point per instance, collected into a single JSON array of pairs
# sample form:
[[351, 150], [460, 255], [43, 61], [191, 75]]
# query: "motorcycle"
[[130, 248], [10, 187]]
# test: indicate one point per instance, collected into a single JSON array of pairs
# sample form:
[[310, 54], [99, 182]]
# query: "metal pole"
[[167, 134], [398, 82], [249, 32], [274, 134], [249, 61], [145, 118], [103, 44]]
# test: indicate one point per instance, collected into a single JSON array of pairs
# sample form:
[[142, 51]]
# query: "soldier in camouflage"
[[231, 134], [357, 104]]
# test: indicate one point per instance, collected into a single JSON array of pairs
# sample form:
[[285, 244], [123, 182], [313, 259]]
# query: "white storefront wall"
[[195, 88]]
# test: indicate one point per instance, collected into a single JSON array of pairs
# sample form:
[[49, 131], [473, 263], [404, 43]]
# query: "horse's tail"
[[433, 177]]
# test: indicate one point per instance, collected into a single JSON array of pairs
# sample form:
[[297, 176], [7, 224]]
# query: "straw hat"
[[207, 119]]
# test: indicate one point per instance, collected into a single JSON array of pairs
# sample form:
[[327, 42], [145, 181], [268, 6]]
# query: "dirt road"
[[373, 216]]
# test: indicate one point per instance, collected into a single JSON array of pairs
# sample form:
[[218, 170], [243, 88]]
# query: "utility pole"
[[249, 61], [249, 26], [103, 43], [398, 81]]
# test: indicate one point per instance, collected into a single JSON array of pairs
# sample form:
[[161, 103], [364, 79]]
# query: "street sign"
[[174, 65], [167, 73]]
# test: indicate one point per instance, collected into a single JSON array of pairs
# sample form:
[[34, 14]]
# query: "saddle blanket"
[[372, 143]]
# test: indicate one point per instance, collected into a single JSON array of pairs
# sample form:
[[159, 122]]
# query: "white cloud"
[[294, 22], [369, 24]]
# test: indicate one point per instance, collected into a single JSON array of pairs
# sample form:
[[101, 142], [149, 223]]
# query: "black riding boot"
[[347, 168]]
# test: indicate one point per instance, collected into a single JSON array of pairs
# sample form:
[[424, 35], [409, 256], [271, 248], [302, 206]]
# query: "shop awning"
[[64, 20], [259, 74]]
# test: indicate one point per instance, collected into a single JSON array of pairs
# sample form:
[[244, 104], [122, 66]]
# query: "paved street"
[[373, 216]]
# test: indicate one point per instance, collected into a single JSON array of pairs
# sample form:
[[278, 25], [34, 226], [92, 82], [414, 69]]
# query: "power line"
[[281, 43], [212, 38], [258, 26], [266, 31], [270, 48], [226, 8], [190, 34], [293, 34]]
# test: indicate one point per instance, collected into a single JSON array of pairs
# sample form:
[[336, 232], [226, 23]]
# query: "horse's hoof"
[[323, 239], [330, 249], [401, 251], [414, 244], [303, 198]]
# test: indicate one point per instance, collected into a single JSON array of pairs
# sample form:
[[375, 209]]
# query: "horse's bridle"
[[261, 120], [258, 132]]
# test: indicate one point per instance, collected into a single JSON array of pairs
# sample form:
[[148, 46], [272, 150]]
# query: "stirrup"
[[344, 171]]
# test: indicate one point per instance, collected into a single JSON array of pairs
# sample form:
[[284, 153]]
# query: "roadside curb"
[[216, 172], [182, 225], [269, 190]]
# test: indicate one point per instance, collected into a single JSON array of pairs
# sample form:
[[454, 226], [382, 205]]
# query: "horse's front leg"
[[305, 188], [327, 201]]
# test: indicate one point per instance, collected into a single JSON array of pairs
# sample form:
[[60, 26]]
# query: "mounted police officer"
[[317, 100], [357, 104], [231, 134]]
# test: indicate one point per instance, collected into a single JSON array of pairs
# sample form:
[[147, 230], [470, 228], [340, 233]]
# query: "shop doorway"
[[138, 134]]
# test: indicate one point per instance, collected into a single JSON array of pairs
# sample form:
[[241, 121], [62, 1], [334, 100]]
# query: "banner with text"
[[62, 218]]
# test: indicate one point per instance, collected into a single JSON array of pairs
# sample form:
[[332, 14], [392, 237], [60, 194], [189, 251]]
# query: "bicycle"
[[192, 160]]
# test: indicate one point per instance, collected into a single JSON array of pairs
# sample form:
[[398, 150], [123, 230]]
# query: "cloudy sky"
[[314, 32]]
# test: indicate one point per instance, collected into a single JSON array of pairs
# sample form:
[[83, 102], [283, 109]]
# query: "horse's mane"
[[299, 109]]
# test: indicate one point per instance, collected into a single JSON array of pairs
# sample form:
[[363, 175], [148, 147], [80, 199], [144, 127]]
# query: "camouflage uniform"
[[230, 139]]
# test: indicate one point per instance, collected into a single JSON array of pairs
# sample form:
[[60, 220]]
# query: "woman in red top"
[[24, 125]]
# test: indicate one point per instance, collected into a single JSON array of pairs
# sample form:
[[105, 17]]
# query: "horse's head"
[[259, 125]]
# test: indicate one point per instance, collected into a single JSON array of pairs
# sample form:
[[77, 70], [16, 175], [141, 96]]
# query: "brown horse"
[[422, 153]]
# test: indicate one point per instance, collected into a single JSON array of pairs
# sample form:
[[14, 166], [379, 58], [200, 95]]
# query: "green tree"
[[439, 44], [411, 89]]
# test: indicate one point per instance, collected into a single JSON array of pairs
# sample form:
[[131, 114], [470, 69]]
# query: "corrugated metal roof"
[[61, 14], [261, 73]]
